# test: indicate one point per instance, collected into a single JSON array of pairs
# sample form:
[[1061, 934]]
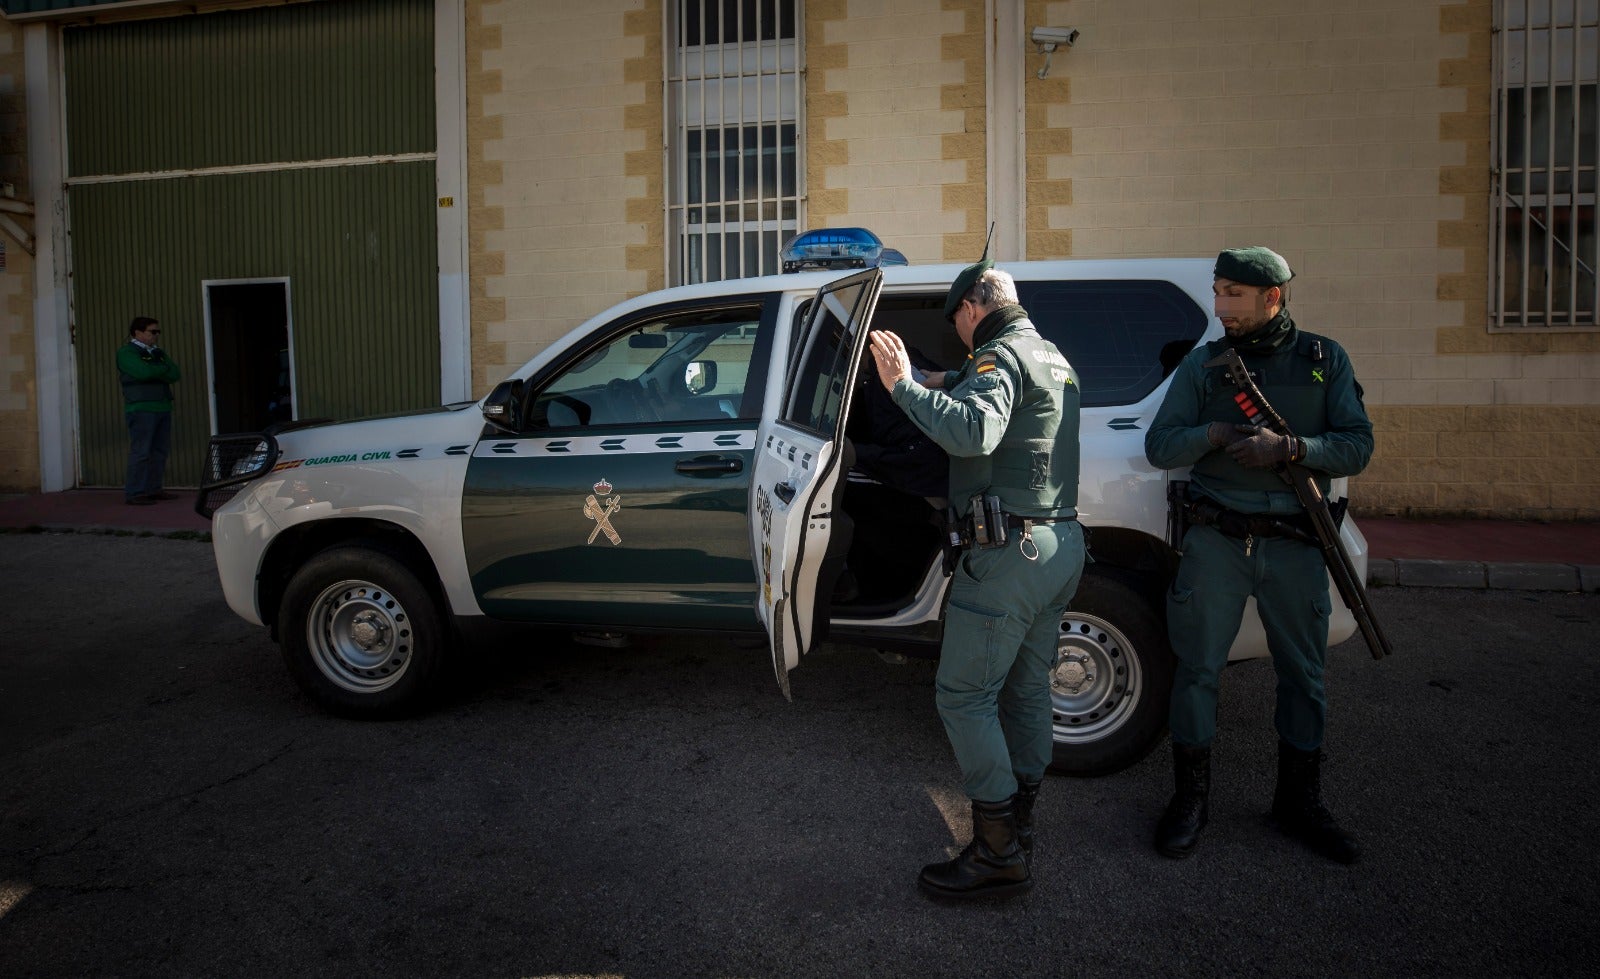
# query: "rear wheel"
[[1111, 680], [361, 634]]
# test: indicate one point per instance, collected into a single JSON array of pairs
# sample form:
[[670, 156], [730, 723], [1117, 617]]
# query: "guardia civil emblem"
[[599, 506]]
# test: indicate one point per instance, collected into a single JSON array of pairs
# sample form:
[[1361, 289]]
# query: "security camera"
[[1048, 37]]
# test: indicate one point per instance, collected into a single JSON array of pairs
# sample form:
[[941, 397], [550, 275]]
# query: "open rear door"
[[797, 464]]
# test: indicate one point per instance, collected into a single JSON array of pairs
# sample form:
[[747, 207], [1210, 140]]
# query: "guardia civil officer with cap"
[[1309, 380], [1009, 421]]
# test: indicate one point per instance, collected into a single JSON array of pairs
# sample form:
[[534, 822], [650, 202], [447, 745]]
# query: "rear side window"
[[1122, 336]]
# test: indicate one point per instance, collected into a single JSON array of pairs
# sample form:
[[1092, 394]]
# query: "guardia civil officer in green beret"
[[1309, 380], [1009, 421]]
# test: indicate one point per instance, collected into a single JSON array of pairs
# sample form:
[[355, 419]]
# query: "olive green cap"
[[964, 282], [1255, 265]]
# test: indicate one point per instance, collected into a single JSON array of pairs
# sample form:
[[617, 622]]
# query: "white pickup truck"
[[681, 463]]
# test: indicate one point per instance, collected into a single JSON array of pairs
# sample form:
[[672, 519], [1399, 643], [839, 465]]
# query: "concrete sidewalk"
[[1503, 554], [1506, 554]]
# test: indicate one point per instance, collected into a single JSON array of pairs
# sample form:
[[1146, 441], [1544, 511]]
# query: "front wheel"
[[1111, 680], [361, 634]]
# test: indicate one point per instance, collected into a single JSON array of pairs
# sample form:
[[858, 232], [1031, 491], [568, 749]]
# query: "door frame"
[[288, 315]]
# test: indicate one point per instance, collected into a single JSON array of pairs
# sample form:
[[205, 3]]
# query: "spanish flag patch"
[[985, 364]]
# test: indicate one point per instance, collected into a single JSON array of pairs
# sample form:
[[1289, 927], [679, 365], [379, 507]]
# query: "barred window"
[[733, 102], [1546, 141]]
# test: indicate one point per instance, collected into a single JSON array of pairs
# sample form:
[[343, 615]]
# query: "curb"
[[1413, 573], [107, 530]]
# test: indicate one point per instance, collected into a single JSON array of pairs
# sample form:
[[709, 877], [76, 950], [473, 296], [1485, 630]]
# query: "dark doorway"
[[252, 382]]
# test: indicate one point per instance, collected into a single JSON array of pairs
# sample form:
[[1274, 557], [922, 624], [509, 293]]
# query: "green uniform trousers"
[[1000, 632], [1204, 609]]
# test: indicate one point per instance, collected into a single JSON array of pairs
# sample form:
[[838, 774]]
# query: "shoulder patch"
[[985, 363]]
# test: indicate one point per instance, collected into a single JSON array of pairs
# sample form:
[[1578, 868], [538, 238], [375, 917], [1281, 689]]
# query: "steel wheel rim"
[[360, 636], [1096, 681]]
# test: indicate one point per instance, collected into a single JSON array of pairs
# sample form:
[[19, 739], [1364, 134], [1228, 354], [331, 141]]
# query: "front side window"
[[823, 375], [733, 95], [686, 367], [1546, 140]]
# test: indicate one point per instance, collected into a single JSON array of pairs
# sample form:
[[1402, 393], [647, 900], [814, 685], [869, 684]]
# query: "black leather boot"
[[1186, 815], [992, 865], [1298, 810], [1027, 792]]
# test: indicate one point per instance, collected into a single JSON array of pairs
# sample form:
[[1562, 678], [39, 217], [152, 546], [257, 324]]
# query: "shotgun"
[[1258, 412]]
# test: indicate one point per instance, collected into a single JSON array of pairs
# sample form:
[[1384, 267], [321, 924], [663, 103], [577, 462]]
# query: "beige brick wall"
[[895, 122], [484, 42], [553, 166], [1492, 460], [645, 165], [19, 424], [1311, 128], [1352, 136]]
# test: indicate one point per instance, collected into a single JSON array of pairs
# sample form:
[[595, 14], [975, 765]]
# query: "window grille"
[[1546, 141], [733, 101]]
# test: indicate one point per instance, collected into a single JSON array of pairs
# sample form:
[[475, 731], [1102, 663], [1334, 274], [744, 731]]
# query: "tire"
[[1112, 678], [361, 634]]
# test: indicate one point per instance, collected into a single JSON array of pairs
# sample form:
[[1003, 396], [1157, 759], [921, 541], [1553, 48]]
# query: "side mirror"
[[700, 376], [503, 405]]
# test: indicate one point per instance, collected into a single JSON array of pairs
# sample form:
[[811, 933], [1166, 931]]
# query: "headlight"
[[251, 464]]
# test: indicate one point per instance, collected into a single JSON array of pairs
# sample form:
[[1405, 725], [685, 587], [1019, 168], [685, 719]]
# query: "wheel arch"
[[1142, 561], [295, 545]]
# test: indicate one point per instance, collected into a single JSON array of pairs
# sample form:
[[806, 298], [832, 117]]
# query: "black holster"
[[1177, 526], [955, 541]]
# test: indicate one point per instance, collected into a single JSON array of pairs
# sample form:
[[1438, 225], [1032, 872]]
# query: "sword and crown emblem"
[[598, 508]]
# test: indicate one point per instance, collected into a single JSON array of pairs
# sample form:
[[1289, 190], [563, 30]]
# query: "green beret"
[[964, 282], [1256, 265]]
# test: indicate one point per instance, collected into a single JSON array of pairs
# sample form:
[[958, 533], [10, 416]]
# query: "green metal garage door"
[[291, 144]]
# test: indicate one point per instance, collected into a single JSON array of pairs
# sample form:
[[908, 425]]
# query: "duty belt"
[[1014, 521], [961, 535], [1248, 526], [986, 525]]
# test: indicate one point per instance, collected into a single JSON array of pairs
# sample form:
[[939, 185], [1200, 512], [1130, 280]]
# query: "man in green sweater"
[[147, 376]]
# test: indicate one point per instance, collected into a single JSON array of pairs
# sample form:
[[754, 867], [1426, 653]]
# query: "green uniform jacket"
[[147, 376], [1009, 421], [1307, 378]]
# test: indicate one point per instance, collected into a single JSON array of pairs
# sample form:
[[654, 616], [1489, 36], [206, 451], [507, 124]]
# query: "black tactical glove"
[[1260, 448], [1223, 433]]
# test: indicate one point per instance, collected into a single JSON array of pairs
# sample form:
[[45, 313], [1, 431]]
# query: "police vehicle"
[[681, 462]]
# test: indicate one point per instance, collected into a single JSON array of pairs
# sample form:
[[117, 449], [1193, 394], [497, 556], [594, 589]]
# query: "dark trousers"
[[149, 439], [1205, 608], [1001, 630]]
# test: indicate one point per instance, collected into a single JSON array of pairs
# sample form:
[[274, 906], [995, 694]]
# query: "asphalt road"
[[171, 805]]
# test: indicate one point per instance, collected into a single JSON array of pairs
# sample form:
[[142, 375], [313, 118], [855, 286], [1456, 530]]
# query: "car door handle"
[[710, 466], [785, 491]]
